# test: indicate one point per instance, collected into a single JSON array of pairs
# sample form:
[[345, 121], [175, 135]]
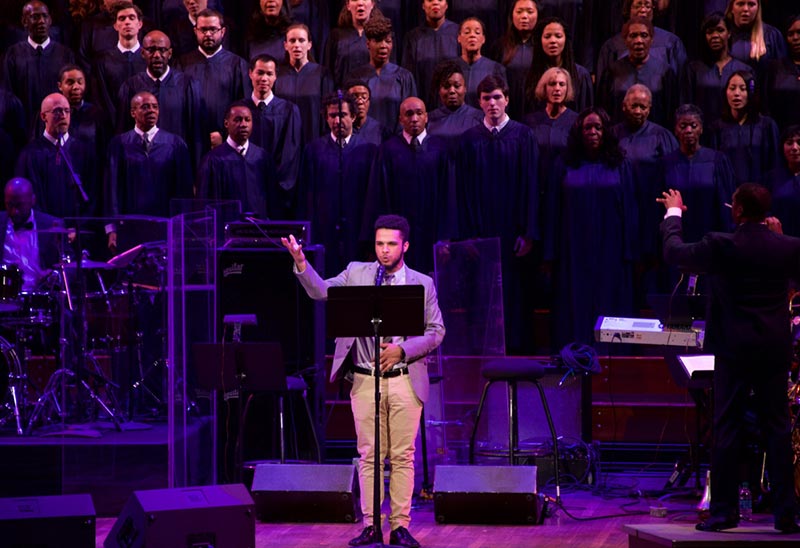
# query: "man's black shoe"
[[787, 526], [717, 523], [368, 536], [401, 537]]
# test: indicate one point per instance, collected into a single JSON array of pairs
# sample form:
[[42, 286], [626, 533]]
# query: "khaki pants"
[[400, 413]]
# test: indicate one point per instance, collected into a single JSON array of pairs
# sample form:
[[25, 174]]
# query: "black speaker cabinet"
[[306, 492], [214, 515], [486, 494], [45, 522]]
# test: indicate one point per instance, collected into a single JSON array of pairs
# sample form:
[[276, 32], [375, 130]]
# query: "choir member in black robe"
[[645, 144], [222, 75], [240, 170], [314, 14], [575, 17], [304, 82], [181, 29], [266, 32], [114, 66], [99, 33], [665, 46], [346, 47], [639, 67], [702, 173], [753, 41], [474, 66], [782, 85], [88, 121], [42, 162], [747, 138], [593, 230], [491, 12], [435, 40], [30, 68], [179, 99], [784, 183], [515, 52], [704, 80], [364, 125], [410, 177], [147, 166], [497, 196], [389, 84], [552, 122], [454, 116], [333, 184], [276, 123], [552, 47]]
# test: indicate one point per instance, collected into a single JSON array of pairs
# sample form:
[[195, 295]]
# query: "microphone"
[[59, 140], [379, 274]]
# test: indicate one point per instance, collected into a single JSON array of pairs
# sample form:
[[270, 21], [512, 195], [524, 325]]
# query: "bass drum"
[[10, 376]]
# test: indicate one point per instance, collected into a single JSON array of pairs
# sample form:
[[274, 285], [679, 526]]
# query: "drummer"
[[21, 239]]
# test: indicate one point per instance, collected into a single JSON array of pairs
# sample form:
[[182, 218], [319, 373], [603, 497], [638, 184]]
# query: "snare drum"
[[10, 286], [36, 308]]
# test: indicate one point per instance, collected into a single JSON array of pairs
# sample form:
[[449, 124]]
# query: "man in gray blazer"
[[404, 377]]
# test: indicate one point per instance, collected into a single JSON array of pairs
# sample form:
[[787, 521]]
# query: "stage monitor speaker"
[[45, 522], [213, 515], [306, 492], [486, 494]]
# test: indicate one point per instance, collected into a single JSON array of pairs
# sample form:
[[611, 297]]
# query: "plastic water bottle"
[[745, 503]]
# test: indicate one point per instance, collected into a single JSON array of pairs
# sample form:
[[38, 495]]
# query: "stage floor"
[[590, 518]]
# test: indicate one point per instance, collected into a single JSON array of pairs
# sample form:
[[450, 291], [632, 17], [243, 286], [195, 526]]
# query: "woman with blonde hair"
[[752, 40]]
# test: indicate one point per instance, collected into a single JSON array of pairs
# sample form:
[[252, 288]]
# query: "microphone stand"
[[377, 477], [340, 141]]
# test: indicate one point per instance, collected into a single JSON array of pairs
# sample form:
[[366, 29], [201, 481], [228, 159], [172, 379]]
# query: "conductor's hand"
[[774, 224], [522, 246], [672, 198], [390, 355], [296, 251]]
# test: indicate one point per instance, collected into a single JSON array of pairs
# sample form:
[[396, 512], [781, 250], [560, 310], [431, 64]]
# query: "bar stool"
[[296, 385], [512, 372]]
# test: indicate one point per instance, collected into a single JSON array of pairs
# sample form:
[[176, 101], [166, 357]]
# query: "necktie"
[[128, 56], [157, 89], [495, 132], [146, 143], [415, 144], [241, 150], [39, 51], [262, 106]]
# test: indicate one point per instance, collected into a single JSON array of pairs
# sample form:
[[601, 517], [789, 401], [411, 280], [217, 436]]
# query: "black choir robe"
[[785, 189], [666, 46], [497, 195], [223, 79], [344, 51], [752, 147], [277, 129], [224, 174], [592, 240], [387, 91], [52, 182], [333, 200], [184, 40], [645, 149], [517, 71], [452, 123], [372, 131], [477, 71], [315, 14], [659, 78], [32, 76], [272, 45], [14, 124], [423, 49], [551, 136], [180, 107], [412, 183], [782, 92], [143, 182], [306, 88], [98, 36], [111, 70], [740, 48]]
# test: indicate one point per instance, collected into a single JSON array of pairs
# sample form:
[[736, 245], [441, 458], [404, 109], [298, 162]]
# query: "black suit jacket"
[[750, 271], [48, 243]]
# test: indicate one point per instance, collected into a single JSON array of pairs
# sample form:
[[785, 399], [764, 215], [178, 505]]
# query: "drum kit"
[[91, 328]]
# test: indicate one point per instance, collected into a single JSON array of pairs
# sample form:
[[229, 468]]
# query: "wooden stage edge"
[[650, 535]]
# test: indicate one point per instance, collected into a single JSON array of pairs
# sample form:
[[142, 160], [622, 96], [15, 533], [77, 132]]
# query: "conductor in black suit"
[[748, 331], [21, 239]]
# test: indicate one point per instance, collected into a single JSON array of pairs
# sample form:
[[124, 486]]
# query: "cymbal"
[[87, 264], [61, 230]]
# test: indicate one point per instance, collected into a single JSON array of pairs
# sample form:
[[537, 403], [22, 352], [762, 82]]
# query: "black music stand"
[[376, 311], [251, 367]]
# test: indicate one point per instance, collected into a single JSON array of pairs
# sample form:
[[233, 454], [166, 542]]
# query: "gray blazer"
[[416, 348]]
